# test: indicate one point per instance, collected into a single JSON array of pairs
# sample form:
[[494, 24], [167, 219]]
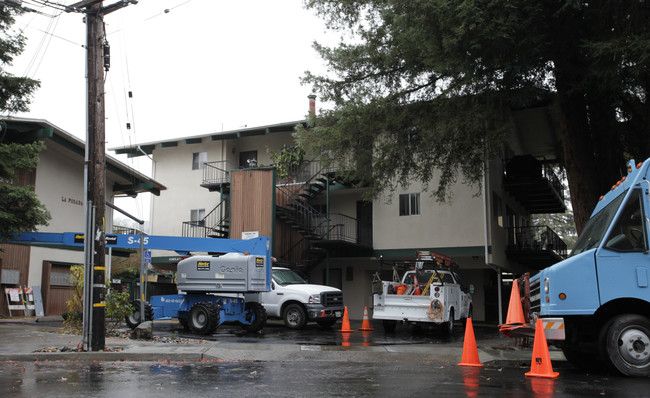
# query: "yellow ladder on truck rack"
[[426, 289]]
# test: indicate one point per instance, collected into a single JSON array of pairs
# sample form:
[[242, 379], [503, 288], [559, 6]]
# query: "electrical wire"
[[165, 11]]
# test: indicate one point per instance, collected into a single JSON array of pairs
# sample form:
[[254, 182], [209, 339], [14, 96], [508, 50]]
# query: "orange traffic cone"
[[515, 310], [470, 352], [416, 286], [345, 328], [540, 364], [365, 325]]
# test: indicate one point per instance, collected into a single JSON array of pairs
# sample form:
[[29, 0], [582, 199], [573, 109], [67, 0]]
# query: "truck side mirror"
[[471, 288]]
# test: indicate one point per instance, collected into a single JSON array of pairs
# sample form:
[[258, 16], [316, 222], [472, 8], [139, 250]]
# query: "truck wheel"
[[448, 327], [203, 318], [134, 319], [389, 326], [294, 316], [257, 311], [628, 344]]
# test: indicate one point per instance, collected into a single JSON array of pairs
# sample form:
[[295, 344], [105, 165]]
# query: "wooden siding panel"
[[251, 206], [14, 257]]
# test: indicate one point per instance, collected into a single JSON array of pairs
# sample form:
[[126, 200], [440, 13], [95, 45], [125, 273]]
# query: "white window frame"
[[199, 159], [196, 216], [412, 204]]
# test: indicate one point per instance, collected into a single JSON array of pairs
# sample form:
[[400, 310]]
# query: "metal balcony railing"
[[120, 230], [214, 224], [217, 172], [535, 239]]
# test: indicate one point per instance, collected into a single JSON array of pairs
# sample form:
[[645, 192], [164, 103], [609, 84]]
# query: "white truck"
[[297, 302], [431, 293]]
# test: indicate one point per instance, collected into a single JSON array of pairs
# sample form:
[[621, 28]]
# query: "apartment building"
[[223, 185], [58, 181]]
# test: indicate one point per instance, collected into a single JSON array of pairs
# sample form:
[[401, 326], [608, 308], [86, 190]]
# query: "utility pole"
[[98, 61]]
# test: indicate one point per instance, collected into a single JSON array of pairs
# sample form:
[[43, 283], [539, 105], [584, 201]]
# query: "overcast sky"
[[193, 67]]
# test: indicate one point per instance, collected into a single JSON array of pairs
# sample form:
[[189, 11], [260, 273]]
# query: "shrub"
[[117, 305]]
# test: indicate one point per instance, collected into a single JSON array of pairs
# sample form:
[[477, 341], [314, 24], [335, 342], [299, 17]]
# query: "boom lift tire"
[[628, 344], [134, 319], [259, 312], [204, 318], [294, 316], [184, 324]]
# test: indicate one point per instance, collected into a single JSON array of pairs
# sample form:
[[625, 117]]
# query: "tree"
[[426, 85], [20, 209]]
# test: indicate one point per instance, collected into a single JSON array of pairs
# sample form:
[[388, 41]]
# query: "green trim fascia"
[[192, 141], [221, 137], [168, 144], [135, 188], [69, 145], [449, 251]]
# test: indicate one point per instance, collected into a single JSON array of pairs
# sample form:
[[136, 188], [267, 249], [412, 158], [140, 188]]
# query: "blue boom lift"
[[211, 288]]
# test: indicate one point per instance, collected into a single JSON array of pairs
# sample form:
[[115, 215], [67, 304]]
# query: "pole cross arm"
[[76, 7]]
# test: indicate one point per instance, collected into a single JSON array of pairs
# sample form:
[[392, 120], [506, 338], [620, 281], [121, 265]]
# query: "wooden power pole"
[[98, 61]]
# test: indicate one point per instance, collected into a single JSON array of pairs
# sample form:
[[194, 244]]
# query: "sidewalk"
[[41, 339]]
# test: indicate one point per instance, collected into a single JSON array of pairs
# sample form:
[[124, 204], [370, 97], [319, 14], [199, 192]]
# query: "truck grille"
[[535, 296], [331, 299]]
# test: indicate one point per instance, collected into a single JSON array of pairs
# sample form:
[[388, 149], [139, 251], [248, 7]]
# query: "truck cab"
[[297, 302], [601, 291]]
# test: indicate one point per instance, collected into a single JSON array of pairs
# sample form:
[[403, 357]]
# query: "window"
[[628, 233], [198, 160], [197, 216], [409, 204], [248, 159]]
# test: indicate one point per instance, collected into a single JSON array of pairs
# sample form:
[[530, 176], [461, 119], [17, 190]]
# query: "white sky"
[[205, 66]]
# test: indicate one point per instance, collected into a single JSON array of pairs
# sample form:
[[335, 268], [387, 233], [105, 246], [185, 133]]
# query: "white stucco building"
[[327, 230], [58, 182]]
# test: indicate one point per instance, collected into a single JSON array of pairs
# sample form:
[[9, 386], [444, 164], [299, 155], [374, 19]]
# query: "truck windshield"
[[287, 277], [596, 227]]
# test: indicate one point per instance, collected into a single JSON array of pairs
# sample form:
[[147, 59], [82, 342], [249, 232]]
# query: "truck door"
[[623, 262]]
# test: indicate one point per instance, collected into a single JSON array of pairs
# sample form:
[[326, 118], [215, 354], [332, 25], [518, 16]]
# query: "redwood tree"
[[422, 88]]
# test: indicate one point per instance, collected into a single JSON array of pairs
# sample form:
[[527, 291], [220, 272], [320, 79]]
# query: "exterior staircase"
[[216, 224]]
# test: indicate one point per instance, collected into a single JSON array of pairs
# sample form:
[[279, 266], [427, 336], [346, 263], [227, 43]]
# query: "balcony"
[[535, 247], [534, 185], [216, 176]]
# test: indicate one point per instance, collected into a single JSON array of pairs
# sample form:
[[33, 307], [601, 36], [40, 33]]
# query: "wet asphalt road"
[[408, 377], [299, 379]]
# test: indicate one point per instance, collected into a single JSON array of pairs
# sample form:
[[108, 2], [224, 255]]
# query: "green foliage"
[[126, 273], [20, 209], [73, 322], [118, 305], [16, 91], [287, 161], [425, 84]]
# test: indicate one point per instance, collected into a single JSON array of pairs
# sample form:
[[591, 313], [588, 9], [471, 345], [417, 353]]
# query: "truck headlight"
[[314, 299], [546, 290]]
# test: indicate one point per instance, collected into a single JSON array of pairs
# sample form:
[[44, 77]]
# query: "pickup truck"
[[297, 302], [429, 294]]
